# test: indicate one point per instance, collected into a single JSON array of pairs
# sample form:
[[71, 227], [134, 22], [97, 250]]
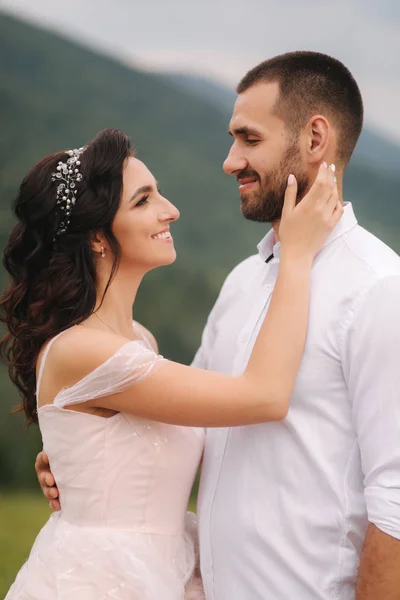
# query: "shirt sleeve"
[[372, 371]]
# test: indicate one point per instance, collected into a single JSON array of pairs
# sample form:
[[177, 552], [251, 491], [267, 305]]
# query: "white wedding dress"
[[123, 532]]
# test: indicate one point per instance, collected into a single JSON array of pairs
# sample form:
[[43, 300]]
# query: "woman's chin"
[[167, 260], [172, 259]]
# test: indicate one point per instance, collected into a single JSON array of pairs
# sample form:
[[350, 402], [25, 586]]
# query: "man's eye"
[[252, 142], [142, 201]]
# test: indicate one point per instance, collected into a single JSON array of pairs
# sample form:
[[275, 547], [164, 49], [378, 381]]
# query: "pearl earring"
[[103, 252]]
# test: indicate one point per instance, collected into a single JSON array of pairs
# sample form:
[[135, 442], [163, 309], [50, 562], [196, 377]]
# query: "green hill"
[[56, 94]]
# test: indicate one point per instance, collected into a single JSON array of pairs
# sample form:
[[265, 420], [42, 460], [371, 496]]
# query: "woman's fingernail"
[[333, 168], [290, 179], [324, 165], [334, 179]]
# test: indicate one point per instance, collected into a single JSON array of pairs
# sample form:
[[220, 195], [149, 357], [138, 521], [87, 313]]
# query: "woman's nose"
[[169, 212]]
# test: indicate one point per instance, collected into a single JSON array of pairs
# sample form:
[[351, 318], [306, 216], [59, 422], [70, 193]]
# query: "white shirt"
[[284, 507]]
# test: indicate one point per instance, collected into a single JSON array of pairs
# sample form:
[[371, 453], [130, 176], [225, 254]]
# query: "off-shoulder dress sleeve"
[[132, 363]]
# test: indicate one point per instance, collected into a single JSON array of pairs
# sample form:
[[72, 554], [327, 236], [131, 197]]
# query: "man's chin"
[[253, 212], [255, 216], [248, 203], [246, 207]]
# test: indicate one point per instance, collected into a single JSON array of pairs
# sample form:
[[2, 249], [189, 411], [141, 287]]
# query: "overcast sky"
[[224, 38]]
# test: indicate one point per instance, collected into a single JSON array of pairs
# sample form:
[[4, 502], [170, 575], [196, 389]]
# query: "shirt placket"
[[220, 438], [253, 323]]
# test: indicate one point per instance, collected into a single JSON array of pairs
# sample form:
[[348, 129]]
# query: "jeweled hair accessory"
[[69, 175]]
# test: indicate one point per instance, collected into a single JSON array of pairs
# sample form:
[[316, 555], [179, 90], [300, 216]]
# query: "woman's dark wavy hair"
[[53, 284]]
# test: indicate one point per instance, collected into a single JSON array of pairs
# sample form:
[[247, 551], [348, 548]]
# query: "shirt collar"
[[268, 244]]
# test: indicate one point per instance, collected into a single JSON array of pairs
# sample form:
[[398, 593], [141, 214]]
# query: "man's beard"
[[266, 205]]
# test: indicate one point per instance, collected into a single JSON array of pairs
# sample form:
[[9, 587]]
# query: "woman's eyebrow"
[[141, 190]]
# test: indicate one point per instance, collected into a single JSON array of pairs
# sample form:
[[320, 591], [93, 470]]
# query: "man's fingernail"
[[290, 179], [333, 168], [334, 179]]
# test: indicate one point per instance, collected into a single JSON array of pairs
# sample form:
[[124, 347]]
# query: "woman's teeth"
[[161, 236]]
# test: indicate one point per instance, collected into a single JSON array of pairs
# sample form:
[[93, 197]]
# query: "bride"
[[122, 426]]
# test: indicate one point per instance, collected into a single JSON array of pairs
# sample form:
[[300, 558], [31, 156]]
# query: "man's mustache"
[[247, 173]]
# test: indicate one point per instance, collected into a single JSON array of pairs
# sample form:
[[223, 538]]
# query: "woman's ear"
[[97, 242]]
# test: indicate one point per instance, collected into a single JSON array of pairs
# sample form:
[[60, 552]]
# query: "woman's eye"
[[142, 201], [252, 142]]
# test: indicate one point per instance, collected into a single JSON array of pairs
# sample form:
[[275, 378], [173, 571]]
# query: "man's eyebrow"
[[243, 131]]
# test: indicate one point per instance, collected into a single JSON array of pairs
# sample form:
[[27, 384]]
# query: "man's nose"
[[234, 162]]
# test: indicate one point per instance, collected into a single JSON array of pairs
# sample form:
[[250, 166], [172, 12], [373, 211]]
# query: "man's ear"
[[318, 133]]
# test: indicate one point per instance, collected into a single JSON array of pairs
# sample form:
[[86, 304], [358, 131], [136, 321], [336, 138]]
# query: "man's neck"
[[275, 226]]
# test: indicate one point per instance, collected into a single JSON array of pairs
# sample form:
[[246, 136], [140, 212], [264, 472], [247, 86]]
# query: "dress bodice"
[[121, 471]]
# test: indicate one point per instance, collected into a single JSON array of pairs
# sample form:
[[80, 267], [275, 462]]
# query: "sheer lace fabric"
[[130, 364], [123, 532]]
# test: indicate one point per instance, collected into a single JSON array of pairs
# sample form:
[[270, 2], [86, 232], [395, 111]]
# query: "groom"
[[307, 508]]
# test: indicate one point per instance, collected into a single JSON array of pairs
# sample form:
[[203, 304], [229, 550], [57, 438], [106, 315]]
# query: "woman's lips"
[[164, 236]]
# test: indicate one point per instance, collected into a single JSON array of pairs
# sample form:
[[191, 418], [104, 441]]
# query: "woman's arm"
[[174, 393]]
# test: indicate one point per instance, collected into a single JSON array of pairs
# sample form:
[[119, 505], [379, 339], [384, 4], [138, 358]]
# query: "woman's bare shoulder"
[[80, 350], [147, 335]]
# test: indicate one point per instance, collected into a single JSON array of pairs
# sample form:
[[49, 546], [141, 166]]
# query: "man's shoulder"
[[367, 252], [241, 272], [237, 281], [248, 263]]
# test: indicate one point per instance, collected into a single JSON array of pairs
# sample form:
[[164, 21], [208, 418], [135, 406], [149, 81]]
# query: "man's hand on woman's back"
[[47, 481]]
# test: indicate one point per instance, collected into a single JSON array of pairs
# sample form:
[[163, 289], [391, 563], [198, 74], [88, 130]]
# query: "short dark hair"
[[312, 83]]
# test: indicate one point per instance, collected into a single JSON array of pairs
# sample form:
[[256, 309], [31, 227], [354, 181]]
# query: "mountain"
[[377, 152], [56, 94], [205, 88]]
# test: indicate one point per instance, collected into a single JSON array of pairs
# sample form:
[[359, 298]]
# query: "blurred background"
[[165, 72]]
